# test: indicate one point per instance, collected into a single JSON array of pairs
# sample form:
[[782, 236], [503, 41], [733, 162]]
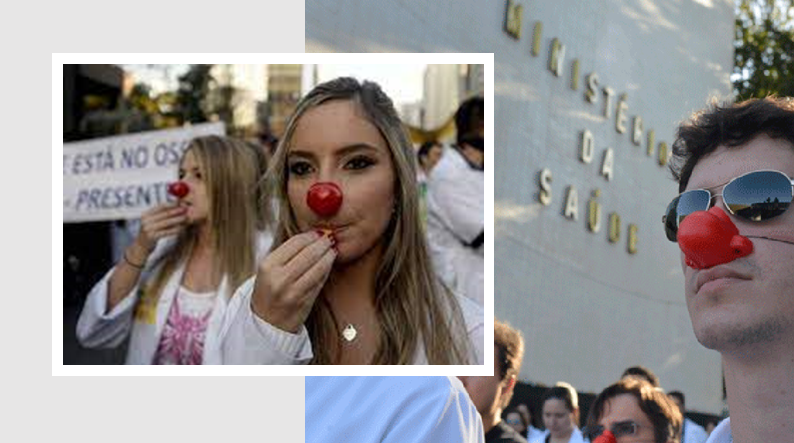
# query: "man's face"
[[731, 312], [486, 392], [624, 408]]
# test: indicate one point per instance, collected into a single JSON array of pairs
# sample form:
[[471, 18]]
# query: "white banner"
[[120, 177]]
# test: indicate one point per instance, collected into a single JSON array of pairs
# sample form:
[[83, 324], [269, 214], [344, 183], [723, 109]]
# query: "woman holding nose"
[[348, 279]]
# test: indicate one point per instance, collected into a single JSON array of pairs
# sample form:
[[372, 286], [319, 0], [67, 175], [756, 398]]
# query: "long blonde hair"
[[410, 301], [232, 174]]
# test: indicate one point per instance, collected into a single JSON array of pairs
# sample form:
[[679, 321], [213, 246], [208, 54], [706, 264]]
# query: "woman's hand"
[[161, 221], [290, 278]]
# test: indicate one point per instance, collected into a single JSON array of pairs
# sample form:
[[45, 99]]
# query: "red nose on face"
[[178, 189], [324, 199], [710, 238], [606, 437]]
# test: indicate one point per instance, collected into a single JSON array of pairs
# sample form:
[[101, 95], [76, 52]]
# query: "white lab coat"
[[693, 432], [722, 433], [455, 217], [248, 339], [143, 322], [390, 410]]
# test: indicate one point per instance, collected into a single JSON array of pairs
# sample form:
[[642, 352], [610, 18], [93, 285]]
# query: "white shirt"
[[248, 339], [390, 410], [722, 433], [455, 217], [576, 437], [693, 432]]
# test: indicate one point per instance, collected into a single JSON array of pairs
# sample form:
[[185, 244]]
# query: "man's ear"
[[511, 383]]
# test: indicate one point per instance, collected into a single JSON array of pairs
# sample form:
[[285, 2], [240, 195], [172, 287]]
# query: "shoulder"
[[722, 433], [344, 408]]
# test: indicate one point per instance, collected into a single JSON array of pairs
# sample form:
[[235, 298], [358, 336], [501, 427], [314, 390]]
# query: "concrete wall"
[[588, 307]]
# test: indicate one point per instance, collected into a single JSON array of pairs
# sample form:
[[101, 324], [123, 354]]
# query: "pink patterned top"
[[182, 341]]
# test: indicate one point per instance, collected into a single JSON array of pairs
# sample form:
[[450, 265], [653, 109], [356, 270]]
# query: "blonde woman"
[[171, 288], [348, 280]]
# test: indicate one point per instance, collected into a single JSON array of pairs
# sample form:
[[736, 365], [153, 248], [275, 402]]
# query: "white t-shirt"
[[722, 433], [390, 410]]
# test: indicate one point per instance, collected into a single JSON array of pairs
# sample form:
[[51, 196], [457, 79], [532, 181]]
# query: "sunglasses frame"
[[712, 197], [592, 435]]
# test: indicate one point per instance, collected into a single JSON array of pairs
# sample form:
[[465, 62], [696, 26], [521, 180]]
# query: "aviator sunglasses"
[[755, 196], [619, 429]]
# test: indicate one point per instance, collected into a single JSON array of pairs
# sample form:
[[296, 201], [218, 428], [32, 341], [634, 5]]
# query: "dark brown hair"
[[732, 125], [642, 372], [660, 410], [509, 347]]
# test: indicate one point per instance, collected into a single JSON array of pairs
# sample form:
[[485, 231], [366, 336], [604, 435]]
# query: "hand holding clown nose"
[[291, 277]]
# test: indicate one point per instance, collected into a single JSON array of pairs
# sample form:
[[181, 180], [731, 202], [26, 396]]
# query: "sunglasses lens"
[[624, 428], [692, 201], [670, 225], [683, 205], [759, 195]]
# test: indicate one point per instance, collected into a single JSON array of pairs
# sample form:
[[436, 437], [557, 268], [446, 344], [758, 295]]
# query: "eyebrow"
[[339, 152]]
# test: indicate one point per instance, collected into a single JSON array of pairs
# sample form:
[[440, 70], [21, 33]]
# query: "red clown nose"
[[710, 238], [324, 199], [178, 189], [606, 437]]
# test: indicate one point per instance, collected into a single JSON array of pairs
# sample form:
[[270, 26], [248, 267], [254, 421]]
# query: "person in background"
[[348, 279], [428, 155], [735, 227], [643, 373], [491, 394], [561, 415], [532, 433], [170, 290], [691, 432], [517, 421], [521, 419], [389, 410], [456, 208], [632, 410]]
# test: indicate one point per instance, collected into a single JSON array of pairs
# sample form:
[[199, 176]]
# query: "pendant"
[[349, 333]]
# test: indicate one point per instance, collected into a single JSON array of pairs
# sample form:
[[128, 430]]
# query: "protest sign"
[[120, 177]]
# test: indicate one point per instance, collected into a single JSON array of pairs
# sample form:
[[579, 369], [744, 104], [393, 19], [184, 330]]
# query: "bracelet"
[[131, 263]]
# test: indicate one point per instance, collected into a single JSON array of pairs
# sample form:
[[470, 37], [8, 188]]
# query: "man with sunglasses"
[[735, 229], [632, 410]]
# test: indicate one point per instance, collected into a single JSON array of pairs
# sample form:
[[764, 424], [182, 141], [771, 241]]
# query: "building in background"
[[586, 100], [441, 94], [284, 84]]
